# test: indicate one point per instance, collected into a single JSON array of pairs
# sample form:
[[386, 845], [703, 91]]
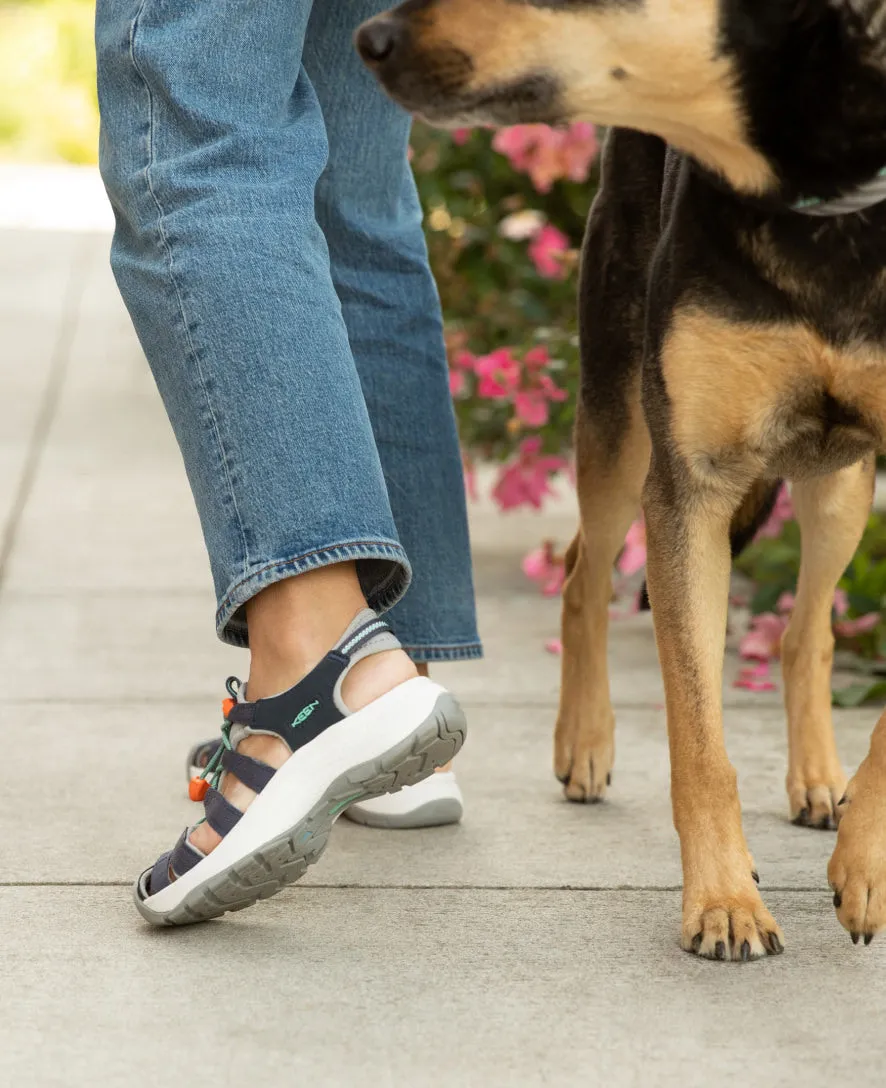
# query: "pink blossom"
[[554, 646], [763, 641], [841, 602], [550, 389], [547, 154], [633, 554], [460, 136], [546, 250], [782, 511], [526, 481], [860, 626], [456, 382], [499, 374], [531, 408], [755, 678], [537, 358], [785, 603], [544, 567]]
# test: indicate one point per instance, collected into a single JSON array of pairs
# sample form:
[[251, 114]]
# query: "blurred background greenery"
[[48, 107]]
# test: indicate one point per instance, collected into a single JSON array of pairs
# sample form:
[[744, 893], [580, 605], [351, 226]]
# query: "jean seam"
[[394, 552], [167, 251]]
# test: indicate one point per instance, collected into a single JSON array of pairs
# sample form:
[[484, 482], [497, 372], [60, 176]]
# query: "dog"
[[733, 335]]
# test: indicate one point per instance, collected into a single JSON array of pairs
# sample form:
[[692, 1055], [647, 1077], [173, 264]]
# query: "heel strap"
[[302, 713]]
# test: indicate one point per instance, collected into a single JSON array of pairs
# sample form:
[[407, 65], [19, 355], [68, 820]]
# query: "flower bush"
[[505, 215]]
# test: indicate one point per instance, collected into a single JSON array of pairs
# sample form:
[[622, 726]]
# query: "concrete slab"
[[428, 988]]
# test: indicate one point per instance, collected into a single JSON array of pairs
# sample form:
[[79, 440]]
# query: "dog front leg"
[[688, 569]]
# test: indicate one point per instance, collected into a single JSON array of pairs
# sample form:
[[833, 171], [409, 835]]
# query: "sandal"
[[338, 757]]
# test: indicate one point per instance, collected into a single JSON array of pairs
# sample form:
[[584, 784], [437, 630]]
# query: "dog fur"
[[727, 343]]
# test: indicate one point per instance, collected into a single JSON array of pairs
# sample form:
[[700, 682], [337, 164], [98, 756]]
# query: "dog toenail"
[[720, 950], [838, 900], [609, 779], [802, 817], [696, 942], [745, 951], [855, 937], [868, 937], [756, 876], [824, 824], [775, 944]]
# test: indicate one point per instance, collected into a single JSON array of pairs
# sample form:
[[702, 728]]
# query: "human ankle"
[[293, 624]]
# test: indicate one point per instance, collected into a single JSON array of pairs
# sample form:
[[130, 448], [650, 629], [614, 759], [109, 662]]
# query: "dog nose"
[[377, 39]]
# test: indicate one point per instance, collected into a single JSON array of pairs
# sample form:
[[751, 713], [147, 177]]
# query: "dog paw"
[[857, 869], [583, 762], [814, 797], [732, 925]]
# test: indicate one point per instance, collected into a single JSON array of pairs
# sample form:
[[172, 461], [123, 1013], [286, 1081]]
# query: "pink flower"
[[546, 250], [633, 554], [755, 678], [460, 136], [456, 382], [547, 154], [763, 641], [531, 408], [785, 603], [526, 481], [841, 602], [537, 358], [499, 374], [550, 390], [860, 626], [782, 511], [544, 567], [554, 646]]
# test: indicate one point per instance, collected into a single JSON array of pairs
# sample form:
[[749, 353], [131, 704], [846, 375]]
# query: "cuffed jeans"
[[270, 252]]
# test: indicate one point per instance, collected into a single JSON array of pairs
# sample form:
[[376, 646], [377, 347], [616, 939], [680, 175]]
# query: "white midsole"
[[302, 781]]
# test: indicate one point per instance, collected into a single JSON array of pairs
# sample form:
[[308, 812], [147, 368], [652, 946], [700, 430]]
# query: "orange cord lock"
[[198, 788], [227, 706]]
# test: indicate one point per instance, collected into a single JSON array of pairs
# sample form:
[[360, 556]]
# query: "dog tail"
[[747, 521]]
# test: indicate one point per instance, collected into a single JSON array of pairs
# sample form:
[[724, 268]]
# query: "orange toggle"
[[197, 788], [227, 706]]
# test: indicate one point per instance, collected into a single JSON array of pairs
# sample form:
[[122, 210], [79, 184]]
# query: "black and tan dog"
[[729, 341]]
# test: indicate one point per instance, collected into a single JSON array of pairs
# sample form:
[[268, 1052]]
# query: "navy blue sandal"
[[338, 757]]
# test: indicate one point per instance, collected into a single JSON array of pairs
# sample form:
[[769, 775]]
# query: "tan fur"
[[671, 78], [609, 498], [832, 512], [739, 425], [857, 869], [688, 585]]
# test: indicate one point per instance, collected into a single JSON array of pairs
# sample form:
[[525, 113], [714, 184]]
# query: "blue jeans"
[[270, 252]]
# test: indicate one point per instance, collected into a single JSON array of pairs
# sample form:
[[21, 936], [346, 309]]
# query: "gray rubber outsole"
[[437, 813], [285, 859]]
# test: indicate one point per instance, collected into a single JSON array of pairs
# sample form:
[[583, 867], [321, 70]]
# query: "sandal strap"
[[221, 815], [180, 859], [311, 706], [252, 772]]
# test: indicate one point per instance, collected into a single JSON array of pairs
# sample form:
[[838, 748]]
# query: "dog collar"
[[856, 200]]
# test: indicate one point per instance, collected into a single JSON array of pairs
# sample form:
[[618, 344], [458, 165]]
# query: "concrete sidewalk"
[[535, 944]]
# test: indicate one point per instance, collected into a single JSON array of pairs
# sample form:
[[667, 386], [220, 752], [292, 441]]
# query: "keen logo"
[[305, 713]]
